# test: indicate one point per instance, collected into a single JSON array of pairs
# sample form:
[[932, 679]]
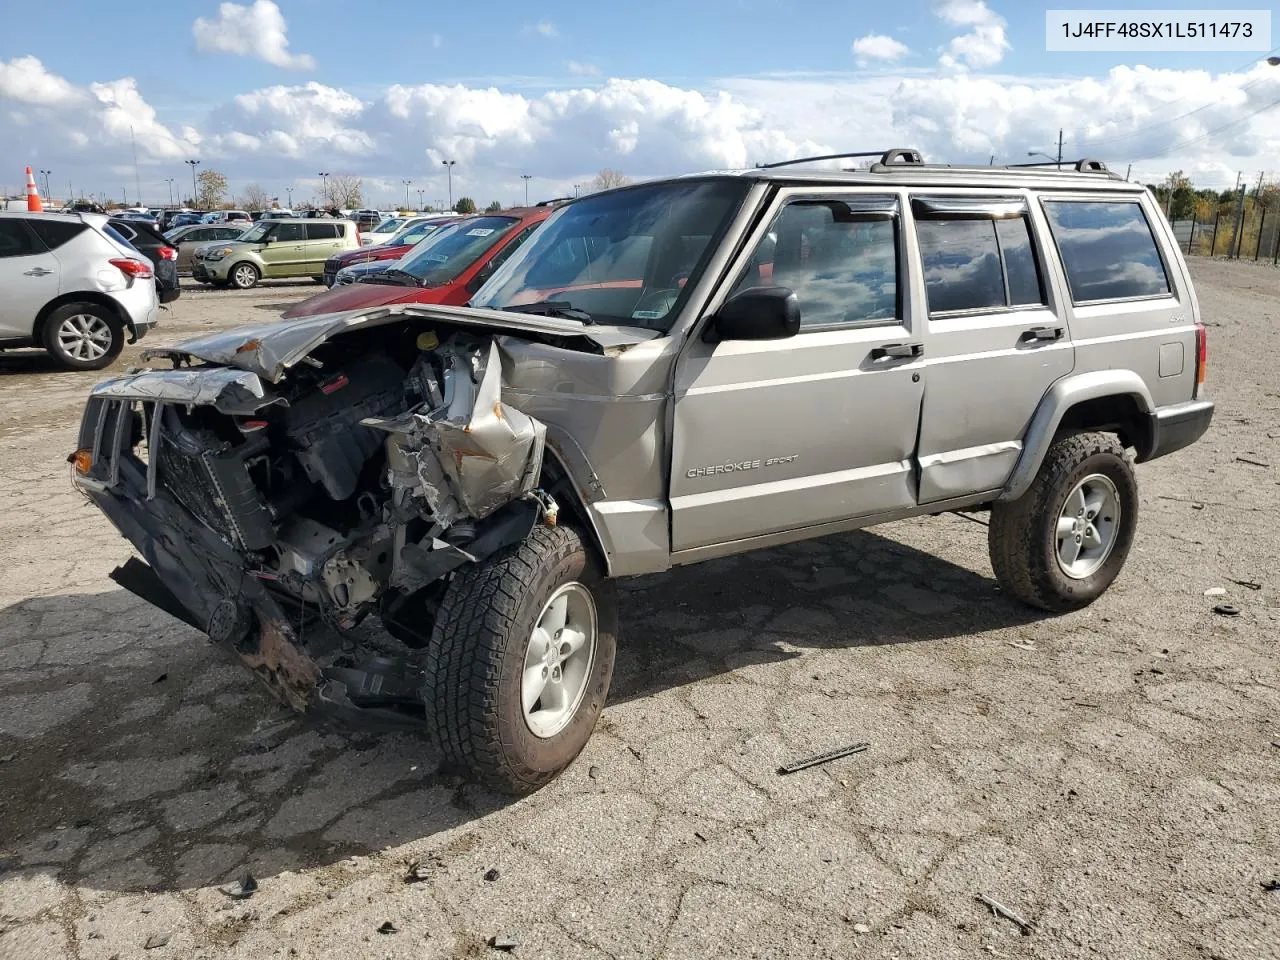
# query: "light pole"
[[193, 164], [575, 189], [1039, 153], [169, 181], [324, 186], [47, 192], [289, 193], [420, 194], [526, 177], [406, 192], [448, 165]]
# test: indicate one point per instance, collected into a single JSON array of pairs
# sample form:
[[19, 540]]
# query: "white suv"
[[73, 286]]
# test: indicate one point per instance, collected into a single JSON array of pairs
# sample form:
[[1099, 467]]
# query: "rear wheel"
[[520, 660], [244, 276], [84, 336], [1061, 544]]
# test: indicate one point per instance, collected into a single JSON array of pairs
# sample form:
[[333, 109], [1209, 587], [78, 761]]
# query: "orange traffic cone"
[[33, 195]]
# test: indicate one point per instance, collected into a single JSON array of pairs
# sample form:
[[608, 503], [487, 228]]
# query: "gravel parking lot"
[[1109, 775]]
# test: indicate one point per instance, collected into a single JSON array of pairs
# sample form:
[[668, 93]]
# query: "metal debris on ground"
[[1023, 645], [492, 874], [156, 940], [1271, 886], [1248, 584], [593, 772], [504, 941], [161, 679], [999, 909], [1086, 703], [241, 889], [827, 757], [1252, 462], [1216, 592], [388, 927], [1227, 610], [418, 872]]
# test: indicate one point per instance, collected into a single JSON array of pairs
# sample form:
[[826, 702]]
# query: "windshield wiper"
[[553, 308], [394, 277]]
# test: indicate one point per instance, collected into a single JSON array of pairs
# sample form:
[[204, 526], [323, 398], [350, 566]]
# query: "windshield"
[[445, 254], [387, 226], [624, 257], [257, 232], [414, 233]]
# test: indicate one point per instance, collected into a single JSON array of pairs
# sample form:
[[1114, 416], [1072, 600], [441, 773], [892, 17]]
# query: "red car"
[[396, 247], [447, 267]]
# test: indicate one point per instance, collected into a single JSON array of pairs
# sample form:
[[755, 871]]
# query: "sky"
[[272, 93]]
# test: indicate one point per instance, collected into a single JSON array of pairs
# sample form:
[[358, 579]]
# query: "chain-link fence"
[[1253, 236]]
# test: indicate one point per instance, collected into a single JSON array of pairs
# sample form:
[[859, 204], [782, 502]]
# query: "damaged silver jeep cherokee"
[[664, 373]]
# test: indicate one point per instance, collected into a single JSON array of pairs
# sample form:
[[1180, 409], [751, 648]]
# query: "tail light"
[[133, 269], [1202, 355], [168, 253]]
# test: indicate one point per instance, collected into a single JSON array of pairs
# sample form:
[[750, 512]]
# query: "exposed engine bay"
[[355, 484]]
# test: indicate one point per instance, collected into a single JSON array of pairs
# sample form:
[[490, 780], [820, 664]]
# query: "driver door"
[[779, 435]]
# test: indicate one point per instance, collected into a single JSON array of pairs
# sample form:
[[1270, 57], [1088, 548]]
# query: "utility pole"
[[195, 199], [526, 177], [406, 193], [1059, 148], [136, 181], [448, 165]]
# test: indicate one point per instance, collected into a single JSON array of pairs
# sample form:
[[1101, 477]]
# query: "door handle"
[[898, 351], [1042, 334], [37, 272]]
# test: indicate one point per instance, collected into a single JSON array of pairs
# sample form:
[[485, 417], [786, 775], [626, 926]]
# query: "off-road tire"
[[53, 324], [244, 276], [1022, 537], [475, 660]]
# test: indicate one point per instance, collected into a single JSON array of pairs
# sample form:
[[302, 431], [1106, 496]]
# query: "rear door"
[[998, 335], [774, 436], [29, 276], [323, 241]]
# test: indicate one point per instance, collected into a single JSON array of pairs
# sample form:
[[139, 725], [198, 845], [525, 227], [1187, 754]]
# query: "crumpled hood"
[[356, 296], [268, 349]]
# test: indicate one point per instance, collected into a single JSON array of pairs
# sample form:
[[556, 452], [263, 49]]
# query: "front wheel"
[[244, 276], [520, 660], [1061, 544]]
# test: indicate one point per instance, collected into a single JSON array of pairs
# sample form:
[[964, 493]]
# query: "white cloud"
[[437, 41], [256, 30], [877, 46], [281, 134], [984, 45], [547, 29], [581, 68]]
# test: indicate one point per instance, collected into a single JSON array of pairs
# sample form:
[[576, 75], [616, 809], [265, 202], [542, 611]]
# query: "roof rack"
[[896, 155], [1084, 165]]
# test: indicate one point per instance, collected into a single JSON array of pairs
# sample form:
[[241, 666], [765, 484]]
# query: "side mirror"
[[757, 313]]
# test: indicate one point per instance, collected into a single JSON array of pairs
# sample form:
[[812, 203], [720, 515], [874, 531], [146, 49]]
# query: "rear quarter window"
[[323, 231], [54, 233], [1108, 250]]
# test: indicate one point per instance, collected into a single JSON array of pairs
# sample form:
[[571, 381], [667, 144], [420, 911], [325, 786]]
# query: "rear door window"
[[977, 255], [1107, 250], [16, 240], [54, 233], [286, 232]]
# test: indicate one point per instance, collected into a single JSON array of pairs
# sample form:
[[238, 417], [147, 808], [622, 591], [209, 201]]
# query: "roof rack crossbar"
[[897, 154], [1083, 165]]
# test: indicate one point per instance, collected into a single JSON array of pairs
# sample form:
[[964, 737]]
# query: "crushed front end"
[[277, 510]]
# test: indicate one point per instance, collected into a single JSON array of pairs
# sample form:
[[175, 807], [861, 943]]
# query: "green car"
[[274, 249]]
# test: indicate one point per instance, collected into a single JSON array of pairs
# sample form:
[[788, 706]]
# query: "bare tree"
[[346, 191], [255, 198], [607, 178], [213, 188]]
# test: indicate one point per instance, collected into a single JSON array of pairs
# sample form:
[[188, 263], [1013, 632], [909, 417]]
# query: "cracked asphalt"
[[1111, 775]]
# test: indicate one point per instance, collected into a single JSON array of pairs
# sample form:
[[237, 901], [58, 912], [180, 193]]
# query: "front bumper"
[[1179, 425], [210, 270]]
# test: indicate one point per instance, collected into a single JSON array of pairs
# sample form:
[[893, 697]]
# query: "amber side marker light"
[[81, 460]]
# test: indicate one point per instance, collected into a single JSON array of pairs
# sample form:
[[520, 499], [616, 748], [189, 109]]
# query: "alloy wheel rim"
[[244, 276], [84, 337], [558, 660], [1088, 526]]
